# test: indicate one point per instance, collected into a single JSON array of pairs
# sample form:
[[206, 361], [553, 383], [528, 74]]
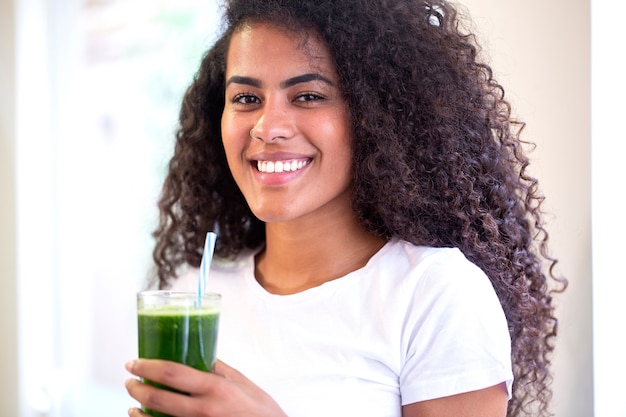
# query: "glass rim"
[[177, 294]]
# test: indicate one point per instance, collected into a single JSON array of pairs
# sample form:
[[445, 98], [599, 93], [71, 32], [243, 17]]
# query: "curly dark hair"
[[437, 160]]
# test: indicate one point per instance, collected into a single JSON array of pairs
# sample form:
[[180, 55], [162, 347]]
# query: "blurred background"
[[89, 97], [95, 97]]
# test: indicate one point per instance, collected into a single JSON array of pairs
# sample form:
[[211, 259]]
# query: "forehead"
[[265, 45]]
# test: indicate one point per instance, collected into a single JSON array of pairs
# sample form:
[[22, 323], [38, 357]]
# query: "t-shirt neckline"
[[312, 293]]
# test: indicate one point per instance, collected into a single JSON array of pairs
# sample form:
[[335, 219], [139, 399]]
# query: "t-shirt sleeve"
[[455, 336]]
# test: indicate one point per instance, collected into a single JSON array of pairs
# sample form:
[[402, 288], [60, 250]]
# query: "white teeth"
[[269, 167]]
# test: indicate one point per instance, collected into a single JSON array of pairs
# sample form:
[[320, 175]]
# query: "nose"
[[276, 122]]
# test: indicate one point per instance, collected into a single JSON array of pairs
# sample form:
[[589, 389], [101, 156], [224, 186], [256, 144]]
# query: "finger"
[[136, 412], [228, 372], [158, 399], [173, 375]]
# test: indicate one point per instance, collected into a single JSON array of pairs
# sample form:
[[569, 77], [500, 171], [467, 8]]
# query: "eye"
[[308, 97], [245, 98]]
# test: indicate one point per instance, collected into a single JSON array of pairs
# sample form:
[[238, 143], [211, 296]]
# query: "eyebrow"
[[304, 78]]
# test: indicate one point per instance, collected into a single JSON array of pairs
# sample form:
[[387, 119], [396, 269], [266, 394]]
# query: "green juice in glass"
[[171, 327]]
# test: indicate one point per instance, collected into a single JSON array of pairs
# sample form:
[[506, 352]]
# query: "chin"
[[273, 216]]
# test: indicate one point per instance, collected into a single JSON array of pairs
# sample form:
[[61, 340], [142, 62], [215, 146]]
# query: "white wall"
[[8, 261], [609, 227], [540, 51]]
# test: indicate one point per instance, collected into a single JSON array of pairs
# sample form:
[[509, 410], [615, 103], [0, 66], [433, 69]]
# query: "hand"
[[225, 393]]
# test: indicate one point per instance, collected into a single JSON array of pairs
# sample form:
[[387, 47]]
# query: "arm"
[[225, 393], [487, 402]]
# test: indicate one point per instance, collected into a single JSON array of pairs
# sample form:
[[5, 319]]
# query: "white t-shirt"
[[415, 323]]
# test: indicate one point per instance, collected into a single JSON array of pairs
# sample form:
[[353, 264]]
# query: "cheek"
[[230, 136], [233, 158], [343, 143]]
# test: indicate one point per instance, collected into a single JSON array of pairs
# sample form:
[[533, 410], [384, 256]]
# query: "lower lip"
[[278, 178]]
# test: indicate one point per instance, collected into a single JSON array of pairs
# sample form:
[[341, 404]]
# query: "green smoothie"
[[181, 334]]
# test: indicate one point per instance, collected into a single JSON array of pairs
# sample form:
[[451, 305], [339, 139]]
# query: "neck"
[[301, 256]]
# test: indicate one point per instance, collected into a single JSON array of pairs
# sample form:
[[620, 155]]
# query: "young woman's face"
[[285, 126]]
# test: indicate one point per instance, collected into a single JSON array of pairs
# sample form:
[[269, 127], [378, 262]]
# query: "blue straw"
[[205, 265]]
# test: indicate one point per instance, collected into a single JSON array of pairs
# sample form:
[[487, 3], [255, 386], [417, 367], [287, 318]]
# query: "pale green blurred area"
[[146, 52]]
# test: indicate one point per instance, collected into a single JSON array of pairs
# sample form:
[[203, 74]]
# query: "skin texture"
[[267, 90], [435, 159], [226, 393], [488, 402]]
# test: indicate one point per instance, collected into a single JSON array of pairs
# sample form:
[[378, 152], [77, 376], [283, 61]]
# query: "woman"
[[380, 245]]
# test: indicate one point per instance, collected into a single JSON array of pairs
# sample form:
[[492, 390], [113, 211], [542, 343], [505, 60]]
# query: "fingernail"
[[129, 366]]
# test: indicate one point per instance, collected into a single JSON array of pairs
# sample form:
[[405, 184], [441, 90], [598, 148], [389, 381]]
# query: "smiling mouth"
[[271, 167]]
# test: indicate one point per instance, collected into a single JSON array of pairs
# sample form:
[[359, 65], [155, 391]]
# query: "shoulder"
[[426, 284], [442, 279], [428, 267], [455, 334], [417, 255]]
